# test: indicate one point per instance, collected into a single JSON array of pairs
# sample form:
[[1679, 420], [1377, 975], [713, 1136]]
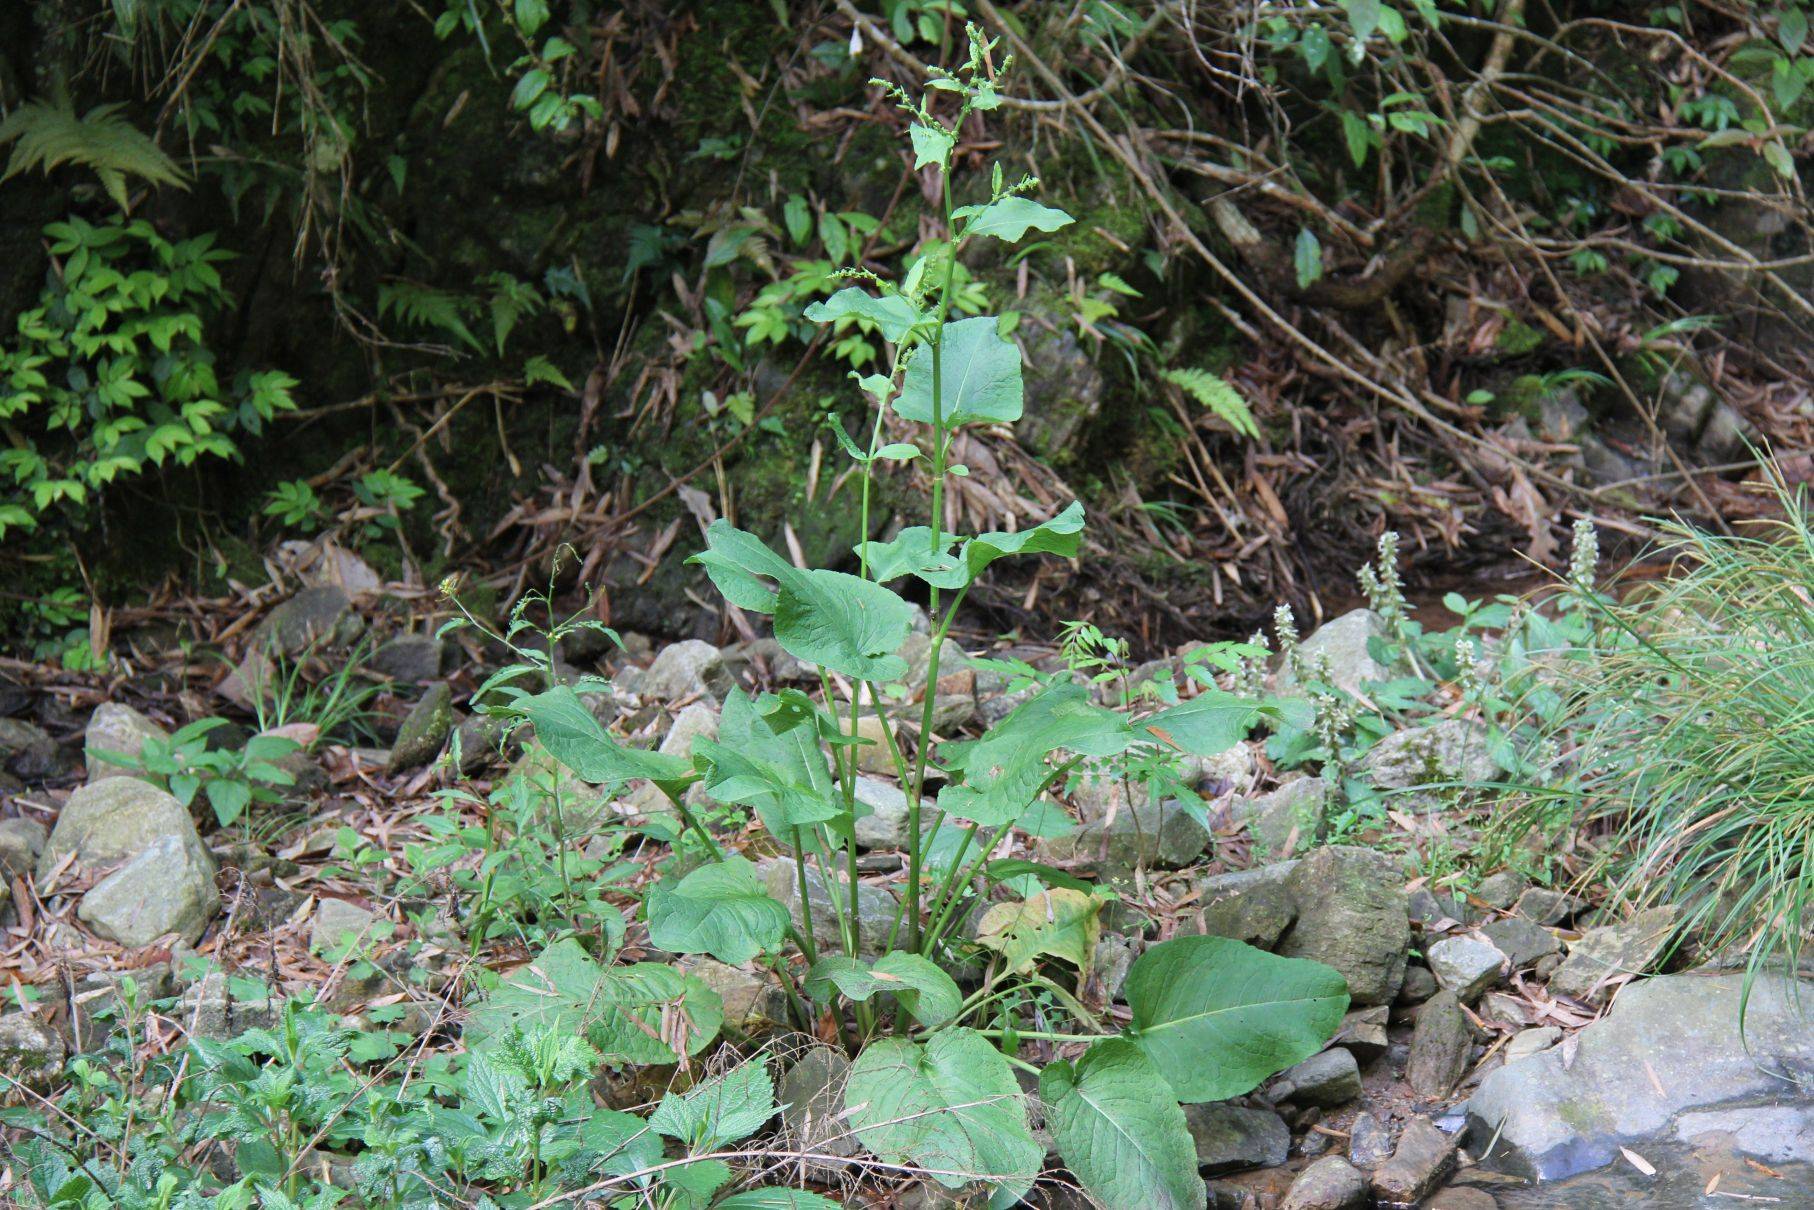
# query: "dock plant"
[[932, 1086]]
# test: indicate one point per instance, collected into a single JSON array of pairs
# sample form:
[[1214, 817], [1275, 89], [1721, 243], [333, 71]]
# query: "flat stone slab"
[[1656, 1068]]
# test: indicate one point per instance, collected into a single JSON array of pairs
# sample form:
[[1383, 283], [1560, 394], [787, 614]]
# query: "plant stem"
[[1041, 1036], [690, 820], [808, 945], [914, 855]]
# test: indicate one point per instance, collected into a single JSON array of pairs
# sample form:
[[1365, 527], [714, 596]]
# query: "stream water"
[[1683, 1174]]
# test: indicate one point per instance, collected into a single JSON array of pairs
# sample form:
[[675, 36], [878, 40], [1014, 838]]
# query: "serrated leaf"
[[1120, 1130], [979, 378], [629, 1014], [928, 994], [892, 313], [1218, 1017], [952, 1106], [720, 1110], [1059, 923], [1216, 394], [722, 909], [1009, 218]]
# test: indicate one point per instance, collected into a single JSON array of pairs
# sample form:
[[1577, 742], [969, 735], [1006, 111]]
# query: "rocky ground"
[[1501, 1032]]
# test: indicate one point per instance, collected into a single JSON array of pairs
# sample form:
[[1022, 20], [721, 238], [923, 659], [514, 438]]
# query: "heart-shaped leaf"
[[979, 377], [842, 623], [1056, 536], [722, 909], [1120, 1130], [951, 1106], [1212, 722], [1218, 1016]]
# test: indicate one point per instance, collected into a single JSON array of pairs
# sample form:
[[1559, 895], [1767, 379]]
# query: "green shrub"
[[111, 372]]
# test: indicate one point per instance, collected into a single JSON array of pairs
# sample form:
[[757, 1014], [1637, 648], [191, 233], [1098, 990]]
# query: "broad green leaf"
[[721, 909], [692, 1185], [1218, 1017], [1363, 18], [1054, 536], [1210, 723], [619, 1143], [1008, 218], [911, 552], [574, 737], [780, 772], [979, 377], [776, 1198], [1307, 258], [893, 314], [720, 1110], [931, 144], [629, 1014], [739, 563], [952, 1106], [1120, 1130], [1003, 771], [928, 994], [843, 623], [1059, 923]]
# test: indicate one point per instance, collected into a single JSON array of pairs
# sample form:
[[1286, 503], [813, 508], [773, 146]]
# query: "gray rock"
[[1230, 1138], [1369, 1142], [26, 749], [1342, 642], [1148, 835], [424, 731], [1462, 1197], [1287, 819], [885, 826], [410, 658], [1214, 886], [1258, 915], [1325, 1080], [1466, 966], [31, 1052], [1231, 771], [876, 908], [1435, 911], [480, 737], [1110, 962], [1501, 890], [1605, 953], [121, 730], [208, 1009], [1423, 1159], [1448, 756], [1528, 1042], [110, 821], [1064, 391], [338, 926], [1331, 1183], [1419, 985], [1540, 905], [21, 842], [1441, 1045], [811, 1096], [166, 889], [1670, 1047], [1351, 915], [1522, 942], [698, 720], [753, 1001], [1363, 1033], [685, 669], [315, 617]]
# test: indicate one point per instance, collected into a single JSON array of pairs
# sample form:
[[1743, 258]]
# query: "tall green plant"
[[937, 1091]]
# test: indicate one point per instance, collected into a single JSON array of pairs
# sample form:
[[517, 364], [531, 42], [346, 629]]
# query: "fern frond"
[[46, 135], [1216, 394], [426, 307]]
